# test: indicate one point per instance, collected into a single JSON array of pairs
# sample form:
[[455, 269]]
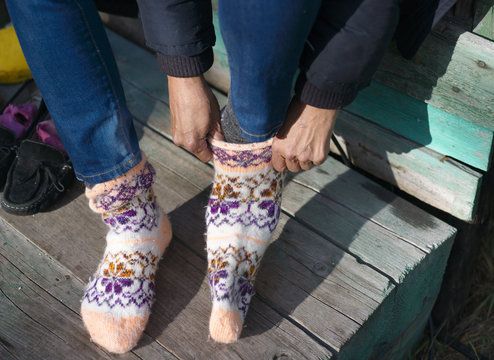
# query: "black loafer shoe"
[[38, 176], [8, 141], [8, 144]]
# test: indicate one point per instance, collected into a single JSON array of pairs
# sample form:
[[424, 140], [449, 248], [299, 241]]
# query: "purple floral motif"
[[262, 215], [120, 292], [232, 271], [143, 216], [243, 159], [126, 190], [231, 288]]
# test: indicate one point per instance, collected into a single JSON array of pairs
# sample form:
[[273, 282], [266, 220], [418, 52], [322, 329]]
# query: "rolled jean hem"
[[259, 138], [106, 175]]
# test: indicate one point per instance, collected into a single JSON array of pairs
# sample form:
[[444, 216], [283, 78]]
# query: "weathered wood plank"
[[30, 320], [62, 290], [406, 309], [439, 130], [431, 177], [483, 19], [372, 201], [453, 73]]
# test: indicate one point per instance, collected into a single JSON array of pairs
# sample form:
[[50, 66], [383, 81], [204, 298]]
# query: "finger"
[[216, 134], [293, 165], [306, 165], [279, 163], [203, 152]]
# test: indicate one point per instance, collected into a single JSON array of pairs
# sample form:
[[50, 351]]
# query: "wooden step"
[[352, 281], [354, 270]]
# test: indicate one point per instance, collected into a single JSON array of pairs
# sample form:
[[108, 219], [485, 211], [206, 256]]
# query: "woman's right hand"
[[195, 115]]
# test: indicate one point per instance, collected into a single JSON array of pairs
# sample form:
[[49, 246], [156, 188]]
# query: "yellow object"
[[13, 66]]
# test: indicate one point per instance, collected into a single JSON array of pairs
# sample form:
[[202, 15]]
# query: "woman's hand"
[[304, 138], [195, 115]]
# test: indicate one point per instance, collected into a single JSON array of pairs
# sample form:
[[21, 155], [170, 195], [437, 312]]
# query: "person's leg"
[[71, 60], [264, 41], [72, 63]]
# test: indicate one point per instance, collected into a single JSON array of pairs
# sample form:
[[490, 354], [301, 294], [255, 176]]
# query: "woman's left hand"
[[304, 138]]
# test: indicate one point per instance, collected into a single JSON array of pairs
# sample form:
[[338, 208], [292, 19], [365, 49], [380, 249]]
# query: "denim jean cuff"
[[128, 163], [186, 66], [337, 96]]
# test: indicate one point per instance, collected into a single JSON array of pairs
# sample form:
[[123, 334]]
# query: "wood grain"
[[40, 306], [431, 177]]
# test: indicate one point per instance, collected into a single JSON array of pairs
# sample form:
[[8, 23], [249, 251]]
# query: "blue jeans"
[[264, 41], [71, 60]]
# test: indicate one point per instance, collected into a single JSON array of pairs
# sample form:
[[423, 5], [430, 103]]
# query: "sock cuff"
[[111, 195], [241, 157]]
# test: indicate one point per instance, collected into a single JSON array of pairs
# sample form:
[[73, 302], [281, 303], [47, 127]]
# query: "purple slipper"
[[18, 118], [47, 133]]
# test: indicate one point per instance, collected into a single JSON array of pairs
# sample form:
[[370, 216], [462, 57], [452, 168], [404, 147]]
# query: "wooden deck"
[[354, 270]]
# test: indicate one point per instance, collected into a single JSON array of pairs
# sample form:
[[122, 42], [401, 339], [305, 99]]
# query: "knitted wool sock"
[[241, 216], [118, 298]]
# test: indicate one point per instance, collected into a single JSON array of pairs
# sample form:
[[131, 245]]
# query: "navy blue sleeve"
[[343, 50], [182, 34]]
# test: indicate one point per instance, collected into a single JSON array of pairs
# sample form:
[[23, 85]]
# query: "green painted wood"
[[431, 177], [483, 19], [410, 301], [453, 72], [427, 125]]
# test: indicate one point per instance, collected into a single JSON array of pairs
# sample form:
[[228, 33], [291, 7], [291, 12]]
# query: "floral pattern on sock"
[[121, 190], [140, 213], [129, 265], [246, 200], [244, 159], [232, 272], [242, 213], [120, 292], [123, 285]]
